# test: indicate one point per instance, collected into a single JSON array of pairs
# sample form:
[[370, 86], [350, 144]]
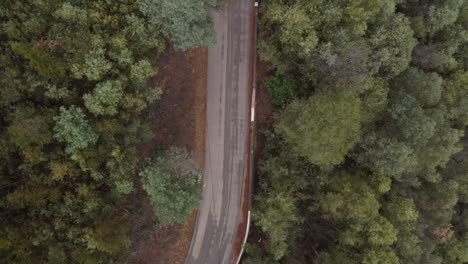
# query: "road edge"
[[248, 174]]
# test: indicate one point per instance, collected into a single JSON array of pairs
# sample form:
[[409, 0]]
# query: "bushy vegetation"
[[74, 82], [185, 22], [360, 165], [173, 184]]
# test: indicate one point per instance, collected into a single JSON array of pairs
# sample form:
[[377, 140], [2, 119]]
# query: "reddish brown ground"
[[263, 104], [263, 119], [264, 115], [178, 119]]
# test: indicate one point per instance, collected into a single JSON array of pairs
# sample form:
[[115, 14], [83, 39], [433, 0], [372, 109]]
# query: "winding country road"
[[228, 108]]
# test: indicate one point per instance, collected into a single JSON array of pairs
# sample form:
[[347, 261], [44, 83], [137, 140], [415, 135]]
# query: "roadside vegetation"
[[74, 86], [173, 184], [371, 101]]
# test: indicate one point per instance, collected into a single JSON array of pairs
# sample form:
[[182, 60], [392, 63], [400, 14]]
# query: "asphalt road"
[[226, 136]]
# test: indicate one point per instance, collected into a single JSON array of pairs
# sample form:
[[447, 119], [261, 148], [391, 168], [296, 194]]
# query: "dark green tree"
[[282, 90], [308, 124], [455, 97]]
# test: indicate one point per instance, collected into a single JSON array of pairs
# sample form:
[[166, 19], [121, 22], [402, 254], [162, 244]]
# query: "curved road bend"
[[228, 122]]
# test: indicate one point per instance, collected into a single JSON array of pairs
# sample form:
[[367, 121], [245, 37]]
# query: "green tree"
[[308, 125], [336, 256], [141, 71], [186, 23], [348, 201], [105, 98], [374, 100], [296, 34], [94, 64], [436, 202], [455, 96], [394, 200], [414, 139], [425, 87], [433, 16], [457, 170], [381, 232], [72, 128], [42, 62], [457, 251], [173, 184], [282, 90], [277, 206], [401, 212], [293, 30], [65, 57], [56, 256], [393, 42], [277, 216], [256, 256], [109, 235], [409, 247], [347, 198], [30, 129], [380, 256], [345, 68]]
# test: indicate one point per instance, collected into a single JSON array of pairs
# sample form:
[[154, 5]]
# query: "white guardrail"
[[252, 124], [245, 238]]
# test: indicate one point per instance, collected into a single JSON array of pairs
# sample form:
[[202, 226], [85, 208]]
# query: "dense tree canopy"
[[456, 98], [361, 164], [74, 82], [185, 22], [308, 126]]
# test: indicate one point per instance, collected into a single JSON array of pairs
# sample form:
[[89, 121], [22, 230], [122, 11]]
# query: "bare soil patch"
[[263, 103], [178, 119]]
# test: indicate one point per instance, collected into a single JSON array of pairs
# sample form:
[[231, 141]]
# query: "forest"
[[364, 161], [74, 85]]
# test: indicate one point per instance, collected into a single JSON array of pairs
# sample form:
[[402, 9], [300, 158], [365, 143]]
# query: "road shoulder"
[[178, 119]]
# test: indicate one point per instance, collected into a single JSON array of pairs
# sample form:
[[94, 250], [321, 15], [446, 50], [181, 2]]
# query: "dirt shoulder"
[[263, 120], [178, 119]]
